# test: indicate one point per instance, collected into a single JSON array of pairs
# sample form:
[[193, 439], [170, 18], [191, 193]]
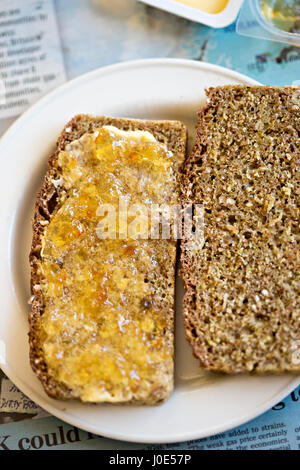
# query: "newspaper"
[[31, 60], [13, 400], [42, 42]]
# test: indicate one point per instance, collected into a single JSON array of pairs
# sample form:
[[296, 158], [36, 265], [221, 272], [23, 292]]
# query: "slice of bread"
[[142, 371], [242, 302]]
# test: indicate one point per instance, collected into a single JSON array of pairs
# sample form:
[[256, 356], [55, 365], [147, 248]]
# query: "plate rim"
[[8, 369], [120, 66]]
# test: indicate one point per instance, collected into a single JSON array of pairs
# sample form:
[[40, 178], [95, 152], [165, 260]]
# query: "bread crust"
[[173, 134]]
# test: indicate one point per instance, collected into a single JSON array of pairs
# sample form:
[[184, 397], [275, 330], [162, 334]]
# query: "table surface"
[[119, 30]]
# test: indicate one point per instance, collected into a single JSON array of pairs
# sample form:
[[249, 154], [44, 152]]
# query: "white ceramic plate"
[[202, 404]]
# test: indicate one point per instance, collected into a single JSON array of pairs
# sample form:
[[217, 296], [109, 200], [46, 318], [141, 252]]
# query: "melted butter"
[[208, 6], [102, 330]]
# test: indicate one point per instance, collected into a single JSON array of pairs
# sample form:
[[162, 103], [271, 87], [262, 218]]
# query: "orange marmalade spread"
[[102, 331]]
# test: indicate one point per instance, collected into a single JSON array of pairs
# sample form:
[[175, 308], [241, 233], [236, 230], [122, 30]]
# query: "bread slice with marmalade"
[[102, 319]]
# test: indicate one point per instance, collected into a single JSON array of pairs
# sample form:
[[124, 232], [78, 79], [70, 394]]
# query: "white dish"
[[216, 20], [202, 404]]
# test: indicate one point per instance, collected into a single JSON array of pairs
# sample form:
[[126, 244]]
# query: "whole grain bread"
[[173, 135], [242, 303]]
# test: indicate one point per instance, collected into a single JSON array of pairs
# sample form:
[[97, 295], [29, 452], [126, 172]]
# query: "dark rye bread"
[[242, 304], [171, 133]]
